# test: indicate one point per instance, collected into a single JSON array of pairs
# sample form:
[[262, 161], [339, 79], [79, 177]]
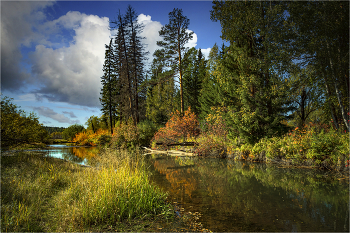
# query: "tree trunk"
[[338, 93]]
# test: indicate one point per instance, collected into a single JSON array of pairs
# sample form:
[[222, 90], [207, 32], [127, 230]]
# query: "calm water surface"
[[238, 196], [80, 155]]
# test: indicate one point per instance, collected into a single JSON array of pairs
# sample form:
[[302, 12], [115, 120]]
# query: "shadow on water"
[[238, 196]]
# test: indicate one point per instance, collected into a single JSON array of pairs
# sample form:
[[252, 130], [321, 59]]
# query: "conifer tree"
[[129, 66], [209, 93], [161, 90], [175, 35], [194, 71], [137, 56], [259, 100], [108, 91]]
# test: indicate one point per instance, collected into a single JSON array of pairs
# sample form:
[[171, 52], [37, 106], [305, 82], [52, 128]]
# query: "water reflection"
[[236, 196], [80, 155]]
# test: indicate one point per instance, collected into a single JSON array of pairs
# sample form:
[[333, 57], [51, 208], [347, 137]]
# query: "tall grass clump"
[[47, 194], [116, 190], [28, 184]]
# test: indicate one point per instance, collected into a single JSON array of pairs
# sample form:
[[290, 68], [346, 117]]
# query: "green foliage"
[[210, 86], [325, 48], [194, 72], [71, 131], [17, 127], [146, 130], [161, 90], [251, 87], [126, 135], [94, 123], [108, 90], [51, 130], [317, 143]]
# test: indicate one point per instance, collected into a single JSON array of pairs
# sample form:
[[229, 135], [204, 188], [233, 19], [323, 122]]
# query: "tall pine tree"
[[108, 91], [129, 66], [175, 35]]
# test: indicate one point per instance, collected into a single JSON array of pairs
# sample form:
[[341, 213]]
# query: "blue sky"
[[52, 52]]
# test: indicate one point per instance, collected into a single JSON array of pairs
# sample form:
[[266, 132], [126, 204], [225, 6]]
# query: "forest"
[[279, 84], [282, 79]]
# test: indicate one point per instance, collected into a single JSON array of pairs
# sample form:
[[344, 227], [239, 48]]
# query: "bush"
[[125, 135], [89, 138], [178, 128], [317, 143], [146, 131], [71, 131]]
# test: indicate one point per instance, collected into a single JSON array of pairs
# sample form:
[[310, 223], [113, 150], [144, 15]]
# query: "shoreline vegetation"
[[48, 194]]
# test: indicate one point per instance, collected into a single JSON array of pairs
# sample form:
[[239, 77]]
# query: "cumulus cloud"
[[72, 74], [67, 56], [48, 112], [206, 52], [17, 20], [193, 42], [150, 32]]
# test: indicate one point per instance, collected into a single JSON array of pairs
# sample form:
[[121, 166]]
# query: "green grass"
[[46, 194]]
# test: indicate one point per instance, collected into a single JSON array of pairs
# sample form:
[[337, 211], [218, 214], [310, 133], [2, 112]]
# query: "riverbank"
[[47, 194]]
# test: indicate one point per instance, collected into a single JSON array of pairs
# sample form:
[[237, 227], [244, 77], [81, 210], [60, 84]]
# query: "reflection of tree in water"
[[79, 154], [239, 196], [67, 153], [85, 152], [182, 180]]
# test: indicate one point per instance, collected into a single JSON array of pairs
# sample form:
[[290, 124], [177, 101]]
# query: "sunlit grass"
[[47, 194]]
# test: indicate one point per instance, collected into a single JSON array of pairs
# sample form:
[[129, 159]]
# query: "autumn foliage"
[[178, 128], [89, 138]]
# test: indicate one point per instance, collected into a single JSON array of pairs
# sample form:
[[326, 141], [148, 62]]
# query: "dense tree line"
[[286, 64], [19, 127]]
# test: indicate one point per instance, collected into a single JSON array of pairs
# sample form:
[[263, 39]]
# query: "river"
[[231, 195]]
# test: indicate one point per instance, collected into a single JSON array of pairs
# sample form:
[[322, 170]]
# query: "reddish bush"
[[178, 128]]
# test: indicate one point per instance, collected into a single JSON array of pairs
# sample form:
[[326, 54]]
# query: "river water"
[[238, 196]]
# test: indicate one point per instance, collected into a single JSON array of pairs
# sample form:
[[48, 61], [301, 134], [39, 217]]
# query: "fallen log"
[[169, 152], [178, 144]]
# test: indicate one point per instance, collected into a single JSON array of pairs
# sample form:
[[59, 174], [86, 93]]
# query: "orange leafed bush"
[[178, 128], [89, 138]]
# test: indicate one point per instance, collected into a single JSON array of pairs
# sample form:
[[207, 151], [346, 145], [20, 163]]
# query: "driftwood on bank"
[[178, 144], [169, 152]]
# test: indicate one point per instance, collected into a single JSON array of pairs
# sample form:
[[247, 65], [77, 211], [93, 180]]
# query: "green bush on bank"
[[318, 144]]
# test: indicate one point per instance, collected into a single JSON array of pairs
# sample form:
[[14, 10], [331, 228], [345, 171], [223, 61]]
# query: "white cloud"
[[206, 52], [72, 74], [193, 42], [150, 32]]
